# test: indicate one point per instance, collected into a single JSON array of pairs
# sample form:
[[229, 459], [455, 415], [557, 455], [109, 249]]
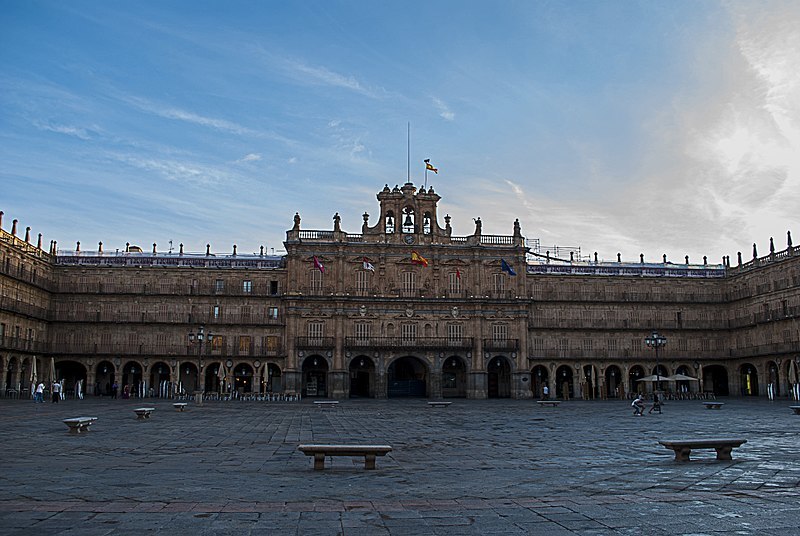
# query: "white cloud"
[[174, 170], [189, 117], [77, 132], [444, 110], [251, 157]]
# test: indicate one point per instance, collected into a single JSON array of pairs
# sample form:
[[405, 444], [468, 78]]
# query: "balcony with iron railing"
[[462, 343], [166, 350], [315, 343], [500, 345]]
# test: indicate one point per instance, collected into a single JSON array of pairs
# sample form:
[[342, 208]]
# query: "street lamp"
[[199, 338], [656, 341]]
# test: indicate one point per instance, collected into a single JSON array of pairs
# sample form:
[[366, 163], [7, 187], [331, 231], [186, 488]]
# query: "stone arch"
[[635, 373], [566, 382], [407, 377], [105, 374], [715, 380], [243, 378], [540, 376], [748, 375], [274, 378], [615, 383], [454, 377], [315, 376], [362, 377], [498, 372]]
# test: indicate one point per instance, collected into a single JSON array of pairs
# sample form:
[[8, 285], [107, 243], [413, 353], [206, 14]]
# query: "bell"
[[408, 222]]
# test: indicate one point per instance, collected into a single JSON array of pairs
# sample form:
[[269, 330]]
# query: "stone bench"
[[143, 413], [179, 406], [713, 405], [79, 425], [368, 451], [438, 404], [326, 403], [796, 409], [683, 447], [552, 403]]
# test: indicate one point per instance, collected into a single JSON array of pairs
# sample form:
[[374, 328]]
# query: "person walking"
[[546, 392], [114, 389], [39, 395], [56, 392]]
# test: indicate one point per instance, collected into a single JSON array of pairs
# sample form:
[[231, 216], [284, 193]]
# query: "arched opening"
[[774, 385], [660, 371], [187, 378], [614, 385], [104, 378], [454, 378], [590, 382], [634, 375], [565, 382], [11, 374], [274, 381], [715, 380], [315, 376], [683, 387], [243, 378], [407, 378], [389, 224], [499, 378], [409, 220], [749, 379], [160, 385], [212, 379], [362, 377], [72, 373], [131, 379], [540, 379]]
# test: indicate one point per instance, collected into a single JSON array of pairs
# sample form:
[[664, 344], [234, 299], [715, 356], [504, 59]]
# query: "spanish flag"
[[429, 166], [416, 258]]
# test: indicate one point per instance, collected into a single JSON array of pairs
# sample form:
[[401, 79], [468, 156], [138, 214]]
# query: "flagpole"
[[408, 153]]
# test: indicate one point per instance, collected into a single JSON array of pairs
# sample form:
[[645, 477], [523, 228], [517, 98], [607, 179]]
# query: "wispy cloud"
[[187, 116], [251, 157], [68, 130], [444, 110], [174, 170]]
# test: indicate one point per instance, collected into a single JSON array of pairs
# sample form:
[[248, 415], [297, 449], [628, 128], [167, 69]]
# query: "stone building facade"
[[403, 308]]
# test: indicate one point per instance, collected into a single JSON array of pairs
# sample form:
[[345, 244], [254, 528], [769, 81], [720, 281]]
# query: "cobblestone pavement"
[[476, 467]]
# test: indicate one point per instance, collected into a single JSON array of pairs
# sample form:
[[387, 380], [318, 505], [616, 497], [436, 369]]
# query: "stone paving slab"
[[482, 467]]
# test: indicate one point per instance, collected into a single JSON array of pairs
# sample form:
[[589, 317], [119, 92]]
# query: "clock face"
[[409, 239]]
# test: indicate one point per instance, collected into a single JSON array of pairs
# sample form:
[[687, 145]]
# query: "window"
[[362, 331], [244, 345], [563, 344], [588, 345], [315, 280], [500, 332], [611, 344], [499, 282], [273, 343], [273, 287], [454, 281], [247, 286], [216, 312], [363, 280], [272, 313], [245, 312], [455, 332], [219, 285], [2, 330], [409, 282], [316, 330], [409, 332], [216, 343], [538, 344]]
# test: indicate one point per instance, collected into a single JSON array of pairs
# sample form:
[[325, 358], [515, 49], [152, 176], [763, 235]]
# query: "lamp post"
[[199, 338], [656, 341]]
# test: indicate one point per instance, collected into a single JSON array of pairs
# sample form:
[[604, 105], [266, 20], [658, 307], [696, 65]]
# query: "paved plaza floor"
[[476, 467]]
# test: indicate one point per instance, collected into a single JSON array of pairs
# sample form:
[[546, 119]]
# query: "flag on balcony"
[[368, 265], [429, 166], [318, 265], [416, 258], [458, 274], [505, 267]]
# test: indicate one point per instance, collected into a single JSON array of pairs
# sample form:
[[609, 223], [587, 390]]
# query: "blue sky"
[[633, 127]]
